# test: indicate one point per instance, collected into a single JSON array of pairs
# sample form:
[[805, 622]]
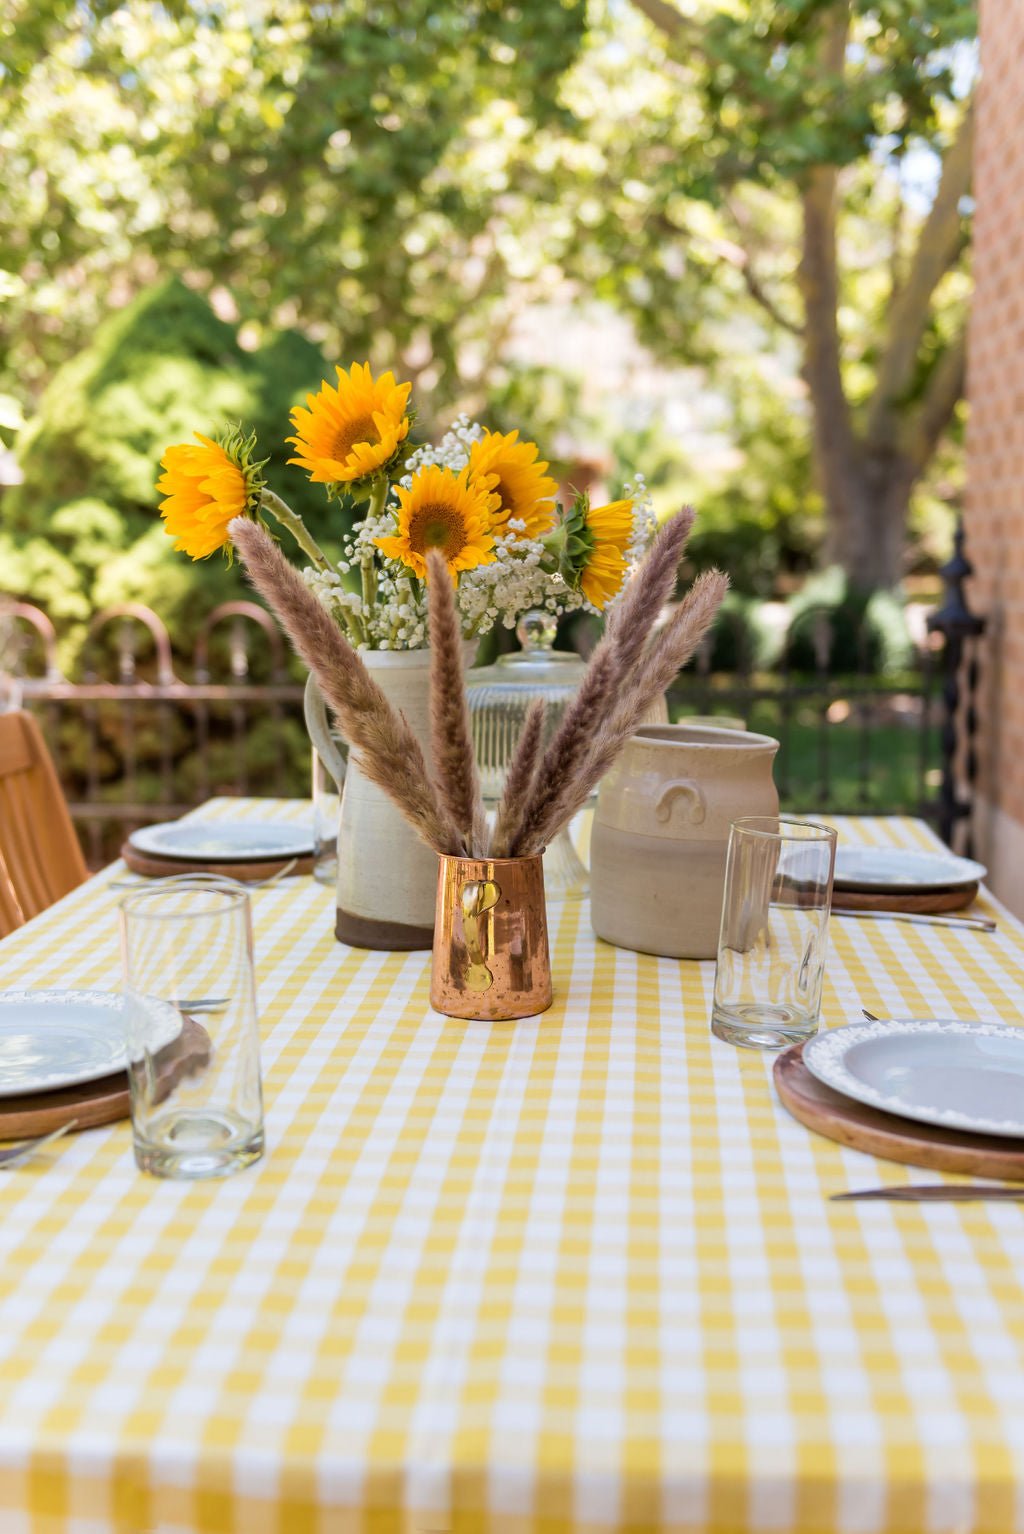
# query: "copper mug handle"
[[478, 896]]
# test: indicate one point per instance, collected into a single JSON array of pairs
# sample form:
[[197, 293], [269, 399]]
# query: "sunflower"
[[518, 478], [351, 432], [204, 487], [609, 529], [589, 546], [443, 510]]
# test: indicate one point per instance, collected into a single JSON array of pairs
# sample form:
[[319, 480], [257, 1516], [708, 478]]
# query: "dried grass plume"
[[388, 751], [451, 734]]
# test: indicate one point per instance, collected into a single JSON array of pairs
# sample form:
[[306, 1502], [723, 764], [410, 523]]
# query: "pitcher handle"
[[318, 725], [682, 788]]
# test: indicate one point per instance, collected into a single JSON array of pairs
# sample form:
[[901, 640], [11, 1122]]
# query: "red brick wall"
[[995, 439]]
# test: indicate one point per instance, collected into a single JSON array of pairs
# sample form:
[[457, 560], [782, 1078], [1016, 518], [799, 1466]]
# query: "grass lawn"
[[845, 756]]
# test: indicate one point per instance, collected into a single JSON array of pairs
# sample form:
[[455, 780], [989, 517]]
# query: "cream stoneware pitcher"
[[661, 828], [387, 878]]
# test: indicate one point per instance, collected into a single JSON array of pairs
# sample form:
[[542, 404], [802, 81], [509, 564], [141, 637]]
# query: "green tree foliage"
[[304, 156], [784, 177], [81, 531], [758, 184]]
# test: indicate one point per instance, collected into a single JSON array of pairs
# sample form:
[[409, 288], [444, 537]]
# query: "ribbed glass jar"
[[499, 696]]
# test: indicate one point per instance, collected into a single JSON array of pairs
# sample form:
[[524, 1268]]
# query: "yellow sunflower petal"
[[203, 488], [519, 478], [349, 432], [611, 528], [446, 511]]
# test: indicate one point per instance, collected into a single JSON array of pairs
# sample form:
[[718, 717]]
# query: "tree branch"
[[945, 389], [665, 17], [741, 257], [818, 279], [768, 304], [938, 247]]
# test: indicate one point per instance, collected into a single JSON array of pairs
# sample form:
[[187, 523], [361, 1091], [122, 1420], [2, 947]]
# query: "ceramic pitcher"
[[387, 878], [661, 827]]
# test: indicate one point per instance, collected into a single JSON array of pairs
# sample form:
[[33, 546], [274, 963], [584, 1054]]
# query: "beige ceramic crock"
[[661, 827]]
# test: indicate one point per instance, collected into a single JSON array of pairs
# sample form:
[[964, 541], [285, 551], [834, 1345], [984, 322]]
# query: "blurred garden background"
[[726, 245]]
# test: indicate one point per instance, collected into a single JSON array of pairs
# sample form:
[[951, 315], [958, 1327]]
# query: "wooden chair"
[[40, 858]]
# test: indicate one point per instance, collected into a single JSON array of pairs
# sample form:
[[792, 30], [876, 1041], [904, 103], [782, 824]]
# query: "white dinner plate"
[[955, 1074], [903, 870], [54, 1039], [215, 841]]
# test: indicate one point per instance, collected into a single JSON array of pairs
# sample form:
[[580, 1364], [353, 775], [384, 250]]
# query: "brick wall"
[[995, 441]]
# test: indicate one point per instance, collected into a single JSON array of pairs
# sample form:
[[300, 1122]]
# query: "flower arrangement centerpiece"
[[490, 940], [448, 540], [483, 499]]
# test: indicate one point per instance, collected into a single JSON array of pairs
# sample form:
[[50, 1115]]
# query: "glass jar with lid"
[[499, 696]]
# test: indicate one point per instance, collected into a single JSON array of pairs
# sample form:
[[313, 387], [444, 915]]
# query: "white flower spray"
[[488, 595]]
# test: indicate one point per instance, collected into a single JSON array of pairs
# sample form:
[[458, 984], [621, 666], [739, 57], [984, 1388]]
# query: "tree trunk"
[[867, 503]]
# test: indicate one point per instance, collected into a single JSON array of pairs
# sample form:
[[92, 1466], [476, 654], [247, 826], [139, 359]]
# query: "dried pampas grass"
[[519, 778], [451, 734], [616, 692], [562, 761], [654, 672], [631, 619], [388, 751], [544, 788]]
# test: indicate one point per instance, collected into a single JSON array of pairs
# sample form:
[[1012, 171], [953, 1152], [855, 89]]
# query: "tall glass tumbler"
[[192, 1033], [774, 933]]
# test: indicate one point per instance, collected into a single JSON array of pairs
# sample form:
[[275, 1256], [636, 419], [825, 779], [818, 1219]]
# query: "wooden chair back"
[[40, 857]]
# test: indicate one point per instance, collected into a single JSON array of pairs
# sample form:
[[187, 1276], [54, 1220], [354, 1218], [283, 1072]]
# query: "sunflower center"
[[506, 500], [361, 429], [437, 525]]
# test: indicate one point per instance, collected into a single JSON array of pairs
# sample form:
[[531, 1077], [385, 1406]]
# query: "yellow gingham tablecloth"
[[571, 1273]]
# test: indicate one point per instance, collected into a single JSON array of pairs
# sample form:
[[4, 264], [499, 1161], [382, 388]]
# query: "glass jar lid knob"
[[537, 630]]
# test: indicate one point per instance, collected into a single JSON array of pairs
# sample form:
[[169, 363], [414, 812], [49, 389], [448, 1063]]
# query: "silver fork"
[[11, 1155]]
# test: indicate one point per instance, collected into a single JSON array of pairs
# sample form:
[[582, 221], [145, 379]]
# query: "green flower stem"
[[368, 581], [282, 513], [368, 565], [357, 633], [378, 497]]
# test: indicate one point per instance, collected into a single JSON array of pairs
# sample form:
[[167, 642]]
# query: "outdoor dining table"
[[577, 1272]]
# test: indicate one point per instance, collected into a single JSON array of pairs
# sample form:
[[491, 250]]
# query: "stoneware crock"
[[661, 829]]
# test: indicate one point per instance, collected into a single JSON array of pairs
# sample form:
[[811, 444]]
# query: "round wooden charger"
[[157, 868], [103, 1101], [885, 1134], [933, 903]]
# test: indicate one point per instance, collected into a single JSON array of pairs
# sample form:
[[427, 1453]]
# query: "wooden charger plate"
[[932, 903], [157, 868], [106, 1100], [887, 1135]]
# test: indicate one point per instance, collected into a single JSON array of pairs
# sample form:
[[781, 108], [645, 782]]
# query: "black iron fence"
[[141, 734]]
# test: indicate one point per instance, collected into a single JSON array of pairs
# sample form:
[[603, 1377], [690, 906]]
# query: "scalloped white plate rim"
[[959, 871], [293, 841], [42, 1008], [824, 1057]]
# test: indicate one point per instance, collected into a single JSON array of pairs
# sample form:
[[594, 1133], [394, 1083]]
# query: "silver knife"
[[936, 1193], [921, 919]]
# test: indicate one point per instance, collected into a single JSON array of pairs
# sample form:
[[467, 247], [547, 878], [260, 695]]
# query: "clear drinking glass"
[[326, 816], [774, 933], [193, 1040]]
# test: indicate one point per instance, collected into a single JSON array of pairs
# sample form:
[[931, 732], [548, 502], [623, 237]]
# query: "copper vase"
[[490, 939]]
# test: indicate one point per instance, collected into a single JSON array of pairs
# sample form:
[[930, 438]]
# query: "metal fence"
[[142, 734]]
